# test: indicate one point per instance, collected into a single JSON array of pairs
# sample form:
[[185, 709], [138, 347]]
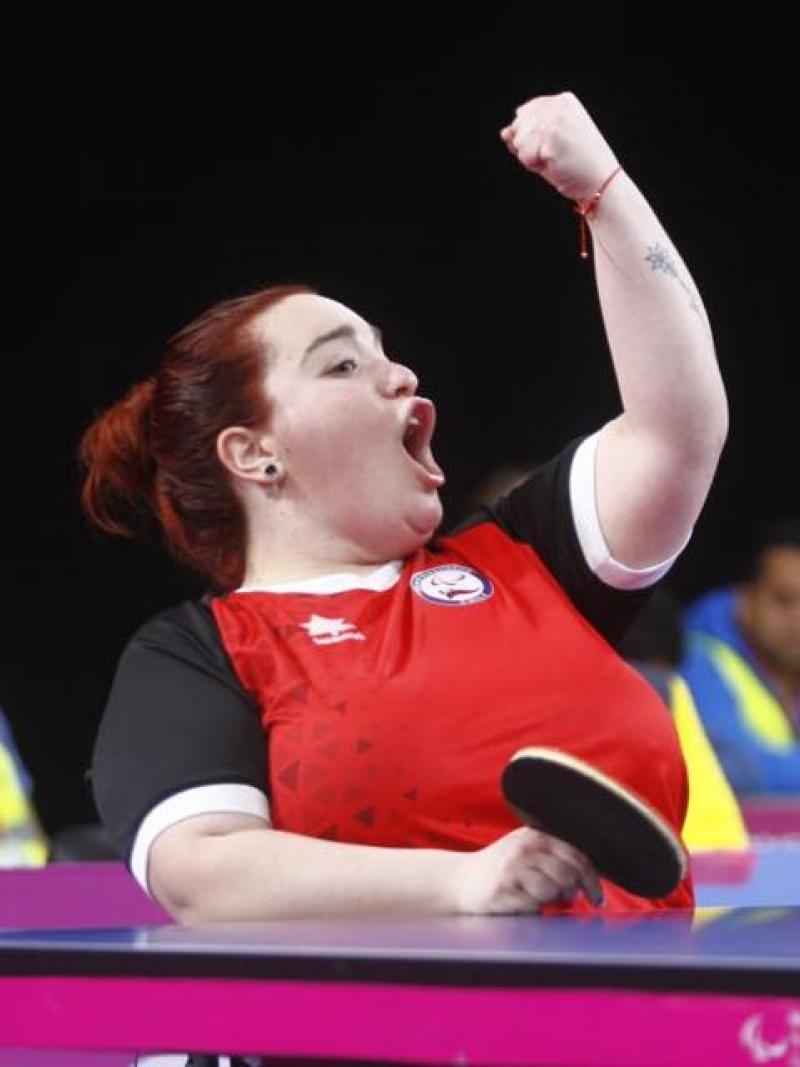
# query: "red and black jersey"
[[385, 714]]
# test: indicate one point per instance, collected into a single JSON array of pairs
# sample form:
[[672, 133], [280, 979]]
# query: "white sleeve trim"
[[590, 536], [201, 800]]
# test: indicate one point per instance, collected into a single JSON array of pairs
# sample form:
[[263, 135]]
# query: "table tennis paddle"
[[624, 837]]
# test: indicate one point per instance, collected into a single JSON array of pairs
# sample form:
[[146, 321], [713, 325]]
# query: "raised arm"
[[655, 462]]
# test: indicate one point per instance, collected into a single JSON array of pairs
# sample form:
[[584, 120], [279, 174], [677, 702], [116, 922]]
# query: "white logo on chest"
[[324, 631], [452, 584]]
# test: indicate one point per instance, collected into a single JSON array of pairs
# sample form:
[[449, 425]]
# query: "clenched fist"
[[521, 872], [555, 137]]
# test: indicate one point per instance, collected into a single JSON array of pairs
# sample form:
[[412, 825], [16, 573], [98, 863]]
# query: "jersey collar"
[[384, 577]]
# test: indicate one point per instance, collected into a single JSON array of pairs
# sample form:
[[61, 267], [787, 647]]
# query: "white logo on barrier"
[[763, 1050], [452, 584]]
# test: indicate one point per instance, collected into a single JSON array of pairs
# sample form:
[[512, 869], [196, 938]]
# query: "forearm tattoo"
[[659, 259]]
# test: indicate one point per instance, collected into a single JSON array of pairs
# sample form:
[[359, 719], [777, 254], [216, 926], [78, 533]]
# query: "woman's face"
[[351, 433]]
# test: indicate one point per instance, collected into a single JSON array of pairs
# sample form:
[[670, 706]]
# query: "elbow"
[[703, 427], [719, 421], [196, 894], [196, 868], [188, 881], [193, 913], [689, 428], [178, 896], [695, 416], [701, 438], [716, 416], [713, 436], [688, 448], [191, 904]]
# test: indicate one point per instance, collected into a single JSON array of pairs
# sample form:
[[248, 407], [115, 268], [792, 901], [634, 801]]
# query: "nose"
[[400, 380]]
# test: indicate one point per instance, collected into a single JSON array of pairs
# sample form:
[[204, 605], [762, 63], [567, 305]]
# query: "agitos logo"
[[452, 584], [784, 1051]]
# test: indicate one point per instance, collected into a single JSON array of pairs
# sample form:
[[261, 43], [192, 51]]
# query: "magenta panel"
[[403, 1023], [32, 1057], [723, 867], [73, 895], [772, 815]]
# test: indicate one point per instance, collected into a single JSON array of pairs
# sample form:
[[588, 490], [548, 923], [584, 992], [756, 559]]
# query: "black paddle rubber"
[[627, 841]]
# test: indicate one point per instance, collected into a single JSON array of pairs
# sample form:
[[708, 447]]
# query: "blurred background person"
[[22, 841], [742, 666]]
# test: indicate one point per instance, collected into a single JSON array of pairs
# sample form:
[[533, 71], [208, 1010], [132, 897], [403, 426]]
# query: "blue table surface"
[[755, 938]]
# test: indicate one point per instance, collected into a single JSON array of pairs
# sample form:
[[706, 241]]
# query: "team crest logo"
[[452, 585]]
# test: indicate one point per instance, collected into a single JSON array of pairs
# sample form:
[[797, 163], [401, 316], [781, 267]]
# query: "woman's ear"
[[249, 455]]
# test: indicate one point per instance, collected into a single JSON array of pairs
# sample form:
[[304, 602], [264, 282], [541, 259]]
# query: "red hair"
[[153, 455]]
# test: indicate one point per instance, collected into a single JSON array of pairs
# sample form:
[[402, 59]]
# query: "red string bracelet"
[[584, 208]]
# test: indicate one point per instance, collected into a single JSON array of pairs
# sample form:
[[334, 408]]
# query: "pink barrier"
[[70, 895], [772, 815], [26, 1057], [723, 867], [408, 1024]]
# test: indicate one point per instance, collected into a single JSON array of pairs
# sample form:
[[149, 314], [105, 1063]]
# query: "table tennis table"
[[721, 986], [718, 987]]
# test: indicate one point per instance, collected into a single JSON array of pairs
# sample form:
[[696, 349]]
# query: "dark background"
[[158, 165]]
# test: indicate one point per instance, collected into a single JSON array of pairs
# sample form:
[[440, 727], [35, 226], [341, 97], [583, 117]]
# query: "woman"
[[325, 734]]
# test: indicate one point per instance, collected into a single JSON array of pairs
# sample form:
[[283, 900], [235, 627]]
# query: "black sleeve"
[[177, 717], [539, 512]]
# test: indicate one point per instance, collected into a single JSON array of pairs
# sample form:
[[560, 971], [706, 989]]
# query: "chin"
[[397, 533], [414, 534], [426, 520], [418, 538]]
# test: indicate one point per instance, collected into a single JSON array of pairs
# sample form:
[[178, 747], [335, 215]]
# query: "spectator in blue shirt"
[[743, 667]]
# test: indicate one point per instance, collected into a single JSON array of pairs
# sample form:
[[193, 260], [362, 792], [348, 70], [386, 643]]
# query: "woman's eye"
[[344, 367]]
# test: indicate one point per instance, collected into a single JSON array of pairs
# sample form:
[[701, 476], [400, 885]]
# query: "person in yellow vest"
[[742, 666], [655, 646], [22, 842]]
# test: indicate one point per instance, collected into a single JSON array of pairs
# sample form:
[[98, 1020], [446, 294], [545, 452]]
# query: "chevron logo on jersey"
[[323, 631], [452, 585]]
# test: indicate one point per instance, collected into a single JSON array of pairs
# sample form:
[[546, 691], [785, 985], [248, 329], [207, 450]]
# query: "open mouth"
[[417, 434]]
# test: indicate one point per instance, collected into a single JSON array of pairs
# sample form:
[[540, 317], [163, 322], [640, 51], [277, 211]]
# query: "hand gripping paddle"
[[627, 841]]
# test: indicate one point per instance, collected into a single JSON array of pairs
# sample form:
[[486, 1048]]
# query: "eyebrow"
[[335, 335]]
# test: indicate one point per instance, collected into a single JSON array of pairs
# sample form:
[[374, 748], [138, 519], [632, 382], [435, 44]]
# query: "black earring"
[[271, 470]]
